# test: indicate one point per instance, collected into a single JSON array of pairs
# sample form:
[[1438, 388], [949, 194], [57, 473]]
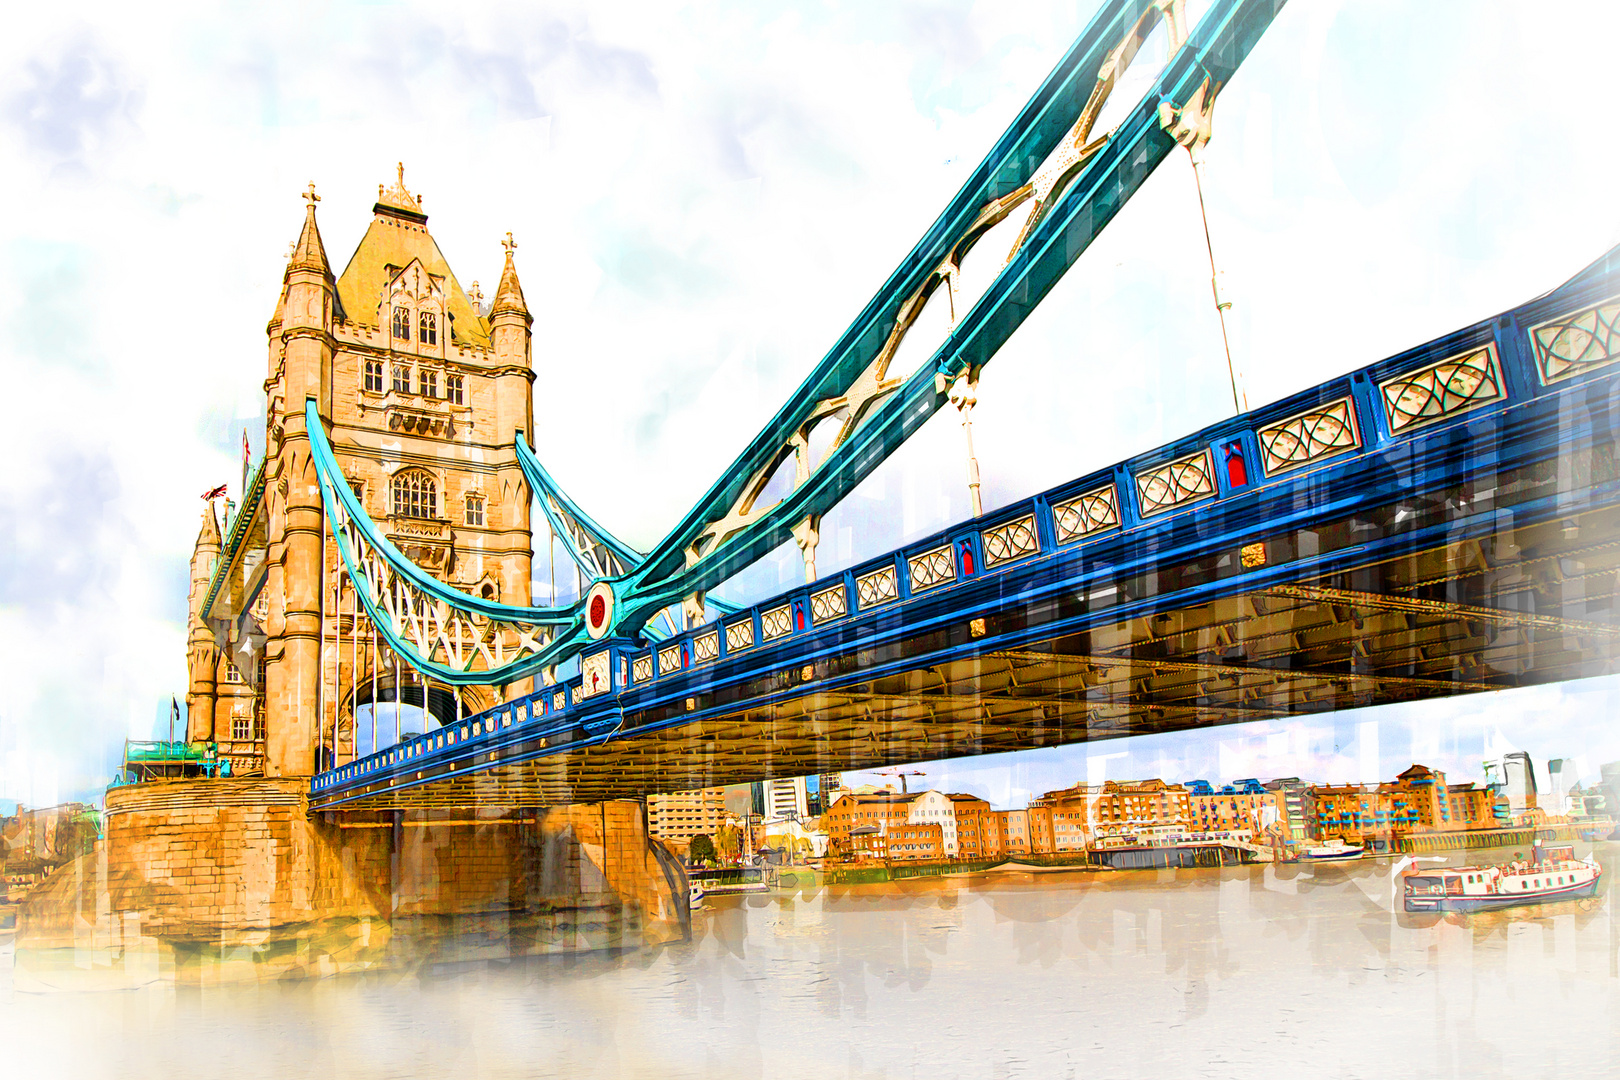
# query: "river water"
[[1250, 971]]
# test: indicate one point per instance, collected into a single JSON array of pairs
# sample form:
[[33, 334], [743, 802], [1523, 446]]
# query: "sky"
[[703, 195]]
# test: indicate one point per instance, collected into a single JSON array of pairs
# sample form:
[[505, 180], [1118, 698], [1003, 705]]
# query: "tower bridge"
[[1436, 523], [1442, 522]]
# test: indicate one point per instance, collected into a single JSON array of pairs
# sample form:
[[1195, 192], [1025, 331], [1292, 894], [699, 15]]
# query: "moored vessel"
[[726, 881], [1333, 851], [1558, 876]]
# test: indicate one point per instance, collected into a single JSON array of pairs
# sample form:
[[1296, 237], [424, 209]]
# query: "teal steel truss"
[[855, 408]]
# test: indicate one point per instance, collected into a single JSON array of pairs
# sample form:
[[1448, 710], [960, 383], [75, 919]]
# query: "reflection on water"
[[1258, 971]]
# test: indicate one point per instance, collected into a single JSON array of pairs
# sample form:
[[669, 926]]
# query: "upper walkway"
[[1444, 521]]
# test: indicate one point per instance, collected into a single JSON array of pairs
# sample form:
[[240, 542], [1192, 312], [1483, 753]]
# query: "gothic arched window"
[[415, 495], [427, 328], [475, 510], [402, 323]]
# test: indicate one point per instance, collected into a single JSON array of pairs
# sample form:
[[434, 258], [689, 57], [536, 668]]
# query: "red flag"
[[247, 456], [215, 493]]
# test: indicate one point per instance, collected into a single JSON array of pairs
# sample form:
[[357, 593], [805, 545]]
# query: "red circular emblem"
[[599, 610]]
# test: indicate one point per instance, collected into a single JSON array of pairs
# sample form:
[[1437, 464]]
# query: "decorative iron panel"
[[1442, 390], [595, 674], [1176, 483], [1083, 515], [777, 622], [1309, 436], [559, 700], [929, 568], [739, 635], [706, 647], [877, 587], [641, 668], [1572, 344], [1013, 540], [669, 659], [828, 604]]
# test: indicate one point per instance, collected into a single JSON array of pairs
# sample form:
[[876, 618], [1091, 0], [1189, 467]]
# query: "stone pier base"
[[201, 882]]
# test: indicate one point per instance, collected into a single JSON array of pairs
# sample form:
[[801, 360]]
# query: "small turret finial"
[[476, 294], [509, 294], [311, 196]]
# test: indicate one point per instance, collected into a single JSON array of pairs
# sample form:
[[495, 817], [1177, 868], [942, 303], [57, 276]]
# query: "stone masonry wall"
[[230, 879]]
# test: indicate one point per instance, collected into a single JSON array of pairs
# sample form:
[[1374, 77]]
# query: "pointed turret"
[[509, 322], [202, 655], [309, 253], [309, 308], [509, 294]]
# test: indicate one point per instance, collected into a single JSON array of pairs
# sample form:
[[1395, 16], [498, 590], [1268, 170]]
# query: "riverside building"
[[682, 815]]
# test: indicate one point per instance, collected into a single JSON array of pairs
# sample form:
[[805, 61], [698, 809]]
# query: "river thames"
[[1252, 971]]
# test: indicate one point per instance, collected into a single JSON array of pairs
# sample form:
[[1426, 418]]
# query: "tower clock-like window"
[[402, 323], [475, 510], [427, 328], [415, 495], [429, 382], [402, 378], [374, 376], [453, 392]]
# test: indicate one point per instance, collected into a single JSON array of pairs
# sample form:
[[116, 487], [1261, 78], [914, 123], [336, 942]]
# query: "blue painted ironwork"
[[597, 552], [593, 549], [1068, 560], [1047, 156], [455, 637], [724, 532]]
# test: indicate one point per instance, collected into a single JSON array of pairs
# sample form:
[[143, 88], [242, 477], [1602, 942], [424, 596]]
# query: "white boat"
[[1333, 851], [1555, 877], [727, 881]]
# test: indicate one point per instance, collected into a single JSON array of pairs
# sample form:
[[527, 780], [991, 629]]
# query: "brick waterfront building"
[[1255, 810], [1073, 817], [913, 825], [1419, 800]]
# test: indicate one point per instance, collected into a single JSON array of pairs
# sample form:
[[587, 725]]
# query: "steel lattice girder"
[[1272, 650], [1105, 174], [1045, 155], [591, 547]]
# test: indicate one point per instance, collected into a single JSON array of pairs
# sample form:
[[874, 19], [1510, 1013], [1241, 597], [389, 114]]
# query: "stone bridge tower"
[[423, 390]]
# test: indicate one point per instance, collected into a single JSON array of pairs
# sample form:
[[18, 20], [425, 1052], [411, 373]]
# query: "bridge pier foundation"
[[219, 881]]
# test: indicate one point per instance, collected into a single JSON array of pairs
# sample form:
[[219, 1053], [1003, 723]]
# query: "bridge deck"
[[1446, 521]]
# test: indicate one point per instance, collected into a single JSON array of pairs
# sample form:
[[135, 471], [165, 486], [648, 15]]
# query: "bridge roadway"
[[1442, 522]]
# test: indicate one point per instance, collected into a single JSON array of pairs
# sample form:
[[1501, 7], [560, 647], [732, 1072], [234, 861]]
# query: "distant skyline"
[[1574, 721], [703, 197]]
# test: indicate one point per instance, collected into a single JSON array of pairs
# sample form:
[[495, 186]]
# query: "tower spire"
[[309, 253], [509, 294]]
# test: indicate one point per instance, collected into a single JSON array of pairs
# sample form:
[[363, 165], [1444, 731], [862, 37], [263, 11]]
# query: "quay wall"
[[228, 880]]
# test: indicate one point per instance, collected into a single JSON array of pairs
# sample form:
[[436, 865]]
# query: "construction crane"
[[902, 774]]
